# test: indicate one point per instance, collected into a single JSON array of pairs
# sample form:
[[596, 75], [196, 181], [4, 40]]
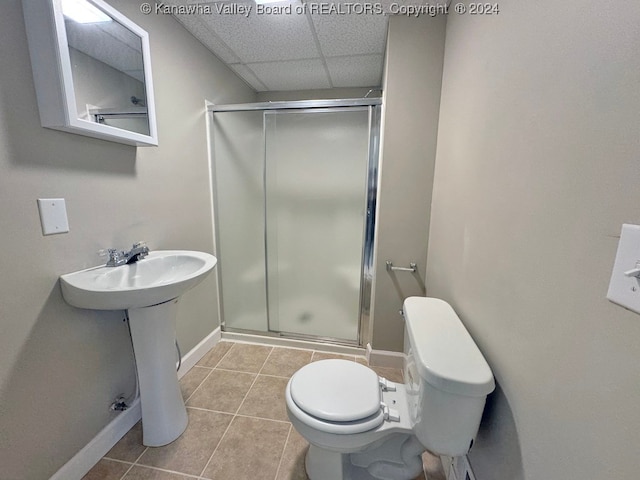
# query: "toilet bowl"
[[361, 426]]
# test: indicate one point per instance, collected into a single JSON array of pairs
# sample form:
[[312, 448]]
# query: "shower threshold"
[[293, 341]]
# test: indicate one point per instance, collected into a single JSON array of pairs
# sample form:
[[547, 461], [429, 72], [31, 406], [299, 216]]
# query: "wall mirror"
[[92, 70]]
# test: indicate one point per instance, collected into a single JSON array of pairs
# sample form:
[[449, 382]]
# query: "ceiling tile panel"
[[292, 75], [196, 25], [356, 70], [351, 34], [264, 37], [289, 51], [248, 76]]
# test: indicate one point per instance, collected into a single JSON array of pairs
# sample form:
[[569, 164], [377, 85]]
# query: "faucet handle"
[[140, 250], [114, 256]]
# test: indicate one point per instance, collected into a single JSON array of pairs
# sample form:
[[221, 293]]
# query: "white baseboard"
[[459, 468], [85, 459], [92, 453], [199, 351], [385, 358]]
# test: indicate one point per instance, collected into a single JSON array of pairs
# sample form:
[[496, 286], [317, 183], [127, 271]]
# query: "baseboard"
[[85, 459], [459, 468], [199, 351], [385, 358], [92, 453]]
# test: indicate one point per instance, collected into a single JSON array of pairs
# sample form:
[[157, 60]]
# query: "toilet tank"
[[446, 377]]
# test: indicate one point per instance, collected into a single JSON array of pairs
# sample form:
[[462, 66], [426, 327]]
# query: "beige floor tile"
[[250, 450], [245, 357], [284, 362], [222, 391], [433, 466], [107, 469], [145, 473], [266, 399], [192, 380], [292, 463], [213, 356], [327, 356], [391, 374], [130, 447], [191, 451]]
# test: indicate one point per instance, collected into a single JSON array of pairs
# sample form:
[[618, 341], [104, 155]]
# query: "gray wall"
[[536, 170], [60, 367], [412, 81]]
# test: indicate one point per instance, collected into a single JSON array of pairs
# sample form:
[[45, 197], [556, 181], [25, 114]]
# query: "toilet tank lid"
[[445, 354]]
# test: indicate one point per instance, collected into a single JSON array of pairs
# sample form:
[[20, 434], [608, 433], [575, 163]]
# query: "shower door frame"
[[374, 107]]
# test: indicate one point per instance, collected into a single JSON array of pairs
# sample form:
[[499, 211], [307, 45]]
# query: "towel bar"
[[411, 268]]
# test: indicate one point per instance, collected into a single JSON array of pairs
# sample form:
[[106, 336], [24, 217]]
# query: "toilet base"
[[398, 458]]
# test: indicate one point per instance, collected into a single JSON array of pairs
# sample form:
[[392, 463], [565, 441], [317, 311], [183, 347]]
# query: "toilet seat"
[[336, 396]]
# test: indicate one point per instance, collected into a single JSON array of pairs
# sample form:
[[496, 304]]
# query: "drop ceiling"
[[292, 51]]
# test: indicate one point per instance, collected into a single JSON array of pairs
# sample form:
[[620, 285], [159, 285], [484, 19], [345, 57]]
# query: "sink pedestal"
[[164, 416]]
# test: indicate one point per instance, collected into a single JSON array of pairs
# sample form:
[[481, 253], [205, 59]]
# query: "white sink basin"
[[149, 291], [161, 276]]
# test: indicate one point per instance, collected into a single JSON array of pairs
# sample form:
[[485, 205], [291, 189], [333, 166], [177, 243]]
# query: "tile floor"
[[238, 426]]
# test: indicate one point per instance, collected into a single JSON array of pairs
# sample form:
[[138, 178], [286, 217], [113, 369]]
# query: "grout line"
[[213, 411], [275, 376], [284, 449], [116, 460], [140, 456], [225, 353], [263, 418], [254, 381], [189, 475], [217, 446], [339, 356], [237, 415], [127, 472], [198, 387], [234, 414], [236, 371]]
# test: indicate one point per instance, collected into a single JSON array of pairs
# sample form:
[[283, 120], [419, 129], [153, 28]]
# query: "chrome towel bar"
[[411, 268]]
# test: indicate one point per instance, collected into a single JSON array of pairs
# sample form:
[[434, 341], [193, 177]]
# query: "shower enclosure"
[[294, 197]]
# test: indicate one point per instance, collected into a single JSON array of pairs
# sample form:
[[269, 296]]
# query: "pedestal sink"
[[149, 290]]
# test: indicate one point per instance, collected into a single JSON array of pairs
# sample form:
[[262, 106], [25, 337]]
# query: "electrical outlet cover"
[[624, 289], [53, 215]]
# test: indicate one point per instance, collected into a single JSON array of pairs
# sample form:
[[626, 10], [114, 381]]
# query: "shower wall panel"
[[238, 153]]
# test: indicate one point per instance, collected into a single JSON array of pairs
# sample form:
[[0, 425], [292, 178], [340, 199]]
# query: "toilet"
[[361, 426]]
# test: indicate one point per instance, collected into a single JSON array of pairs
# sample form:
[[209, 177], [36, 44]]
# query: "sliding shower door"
[[294, 201], [316, 179]]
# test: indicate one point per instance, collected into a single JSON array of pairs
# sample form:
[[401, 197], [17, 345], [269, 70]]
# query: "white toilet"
[[361, 426]]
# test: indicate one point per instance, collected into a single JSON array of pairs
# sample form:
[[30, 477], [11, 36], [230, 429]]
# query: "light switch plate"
[[624, 289], [53, 215]]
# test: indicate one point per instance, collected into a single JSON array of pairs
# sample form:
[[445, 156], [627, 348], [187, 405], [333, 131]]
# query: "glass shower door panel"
[[316, 171], [238, 151]]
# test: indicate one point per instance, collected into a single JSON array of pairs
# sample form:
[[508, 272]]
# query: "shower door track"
[[295, 104], [367, 268]]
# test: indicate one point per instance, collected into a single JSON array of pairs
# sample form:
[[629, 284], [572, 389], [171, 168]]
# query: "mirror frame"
[[52, 74]]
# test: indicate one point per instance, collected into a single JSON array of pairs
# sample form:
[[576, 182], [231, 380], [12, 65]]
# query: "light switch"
[[624, 287], [53, 215]]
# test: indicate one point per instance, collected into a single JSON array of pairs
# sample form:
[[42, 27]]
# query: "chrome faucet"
[[117, 258]]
